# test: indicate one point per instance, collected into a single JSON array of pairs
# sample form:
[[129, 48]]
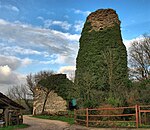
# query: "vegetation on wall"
[[102, 66]]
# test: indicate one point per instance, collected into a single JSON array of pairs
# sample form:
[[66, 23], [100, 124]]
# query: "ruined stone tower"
[[101, 64]]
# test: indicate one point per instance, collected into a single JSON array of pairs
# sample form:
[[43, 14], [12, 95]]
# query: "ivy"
[[103, 57]]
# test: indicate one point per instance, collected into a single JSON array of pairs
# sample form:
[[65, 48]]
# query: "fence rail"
[[144, 115], [117, 117]]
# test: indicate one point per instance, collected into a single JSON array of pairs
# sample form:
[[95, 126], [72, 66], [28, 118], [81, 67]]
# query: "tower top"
[[103, 18]]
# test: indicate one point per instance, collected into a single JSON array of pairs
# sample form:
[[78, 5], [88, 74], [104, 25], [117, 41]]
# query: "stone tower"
[[101, 64]]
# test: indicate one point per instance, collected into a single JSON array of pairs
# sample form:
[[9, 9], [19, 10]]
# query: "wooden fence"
[[144, 115], [112, 117]]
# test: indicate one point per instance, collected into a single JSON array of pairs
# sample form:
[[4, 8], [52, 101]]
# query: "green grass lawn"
[[60, 118], [14, 127]]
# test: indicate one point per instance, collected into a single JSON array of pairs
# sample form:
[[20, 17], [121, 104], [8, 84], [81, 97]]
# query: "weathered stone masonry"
[[53, 105]]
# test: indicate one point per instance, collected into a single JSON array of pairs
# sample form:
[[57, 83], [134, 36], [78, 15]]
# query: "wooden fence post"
[[137, 116], [140, 122], [75, 116], [87, 117]]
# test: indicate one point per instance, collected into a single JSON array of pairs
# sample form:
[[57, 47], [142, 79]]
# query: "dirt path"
[[42, 124]]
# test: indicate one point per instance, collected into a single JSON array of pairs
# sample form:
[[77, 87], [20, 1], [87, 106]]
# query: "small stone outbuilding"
[[54, 103]]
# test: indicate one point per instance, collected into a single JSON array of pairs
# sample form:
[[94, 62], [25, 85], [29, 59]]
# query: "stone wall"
[[53, 105], [103, 18]]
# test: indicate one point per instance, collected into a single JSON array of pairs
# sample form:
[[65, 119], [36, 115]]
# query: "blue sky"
[[40, 35]]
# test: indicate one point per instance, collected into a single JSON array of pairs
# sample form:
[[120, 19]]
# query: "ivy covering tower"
[[101, 65]]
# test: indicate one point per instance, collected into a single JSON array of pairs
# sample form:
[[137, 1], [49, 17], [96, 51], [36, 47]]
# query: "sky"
[[38, 35]]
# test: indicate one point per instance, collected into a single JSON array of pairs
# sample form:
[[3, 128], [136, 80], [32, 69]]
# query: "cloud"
[[78, 25], [5, 70], [63, 59], [44, 42], [63, 24], [69, 70], [13, 62], [13, 50], [12, 78], [14, 8], [77, 11], [40, 18], [26, 61], [7, 75], [22, 45], [49, 42], [48, 23], [128, 43], [30, 36], [3, 22], [10, 61], [9, 7]]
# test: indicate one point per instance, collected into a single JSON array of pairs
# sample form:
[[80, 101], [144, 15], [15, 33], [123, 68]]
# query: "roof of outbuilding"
[[5, 102]]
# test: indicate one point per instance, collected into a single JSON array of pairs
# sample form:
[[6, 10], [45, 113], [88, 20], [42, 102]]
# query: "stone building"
[[54, 102]]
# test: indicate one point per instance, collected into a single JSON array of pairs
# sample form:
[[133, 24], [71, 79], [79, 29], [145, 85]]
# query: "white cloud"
[[63, 24], [40, 18], [52, 41], [128, 43], [14, 8], [26, 61], [26, 35], [78, 26], [11, 61], [45, 45], [66, 69], [67, 36], [7, 75], [77, 11], [69, 70], [12, 50], [12, 79], [61, 59], [3, 22], [5, 70], [9, 7]]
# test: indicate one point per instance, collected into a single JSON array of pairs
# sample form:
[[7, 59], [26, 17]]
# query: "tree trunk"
[[45, 100]]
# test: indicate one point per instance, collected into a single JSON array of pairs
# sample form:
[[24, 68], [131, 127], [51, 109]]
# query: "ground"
[[43, 124]]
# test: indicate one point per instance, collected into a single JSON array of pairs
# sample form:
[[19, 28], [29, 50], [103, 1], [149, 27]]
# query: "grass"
[[144, 126], [60, 118], [14, 127]]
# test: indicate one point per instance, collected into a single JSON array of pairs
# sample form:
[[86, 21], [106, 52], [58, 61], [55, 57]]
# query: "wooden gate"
[[144, 115]]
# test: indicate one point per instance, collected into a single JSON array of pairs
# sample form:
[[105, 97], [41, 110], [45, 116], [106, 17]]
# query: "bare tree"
[[22, 95], [36, 80], [33, 79], [31, 83], [139, 58]]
